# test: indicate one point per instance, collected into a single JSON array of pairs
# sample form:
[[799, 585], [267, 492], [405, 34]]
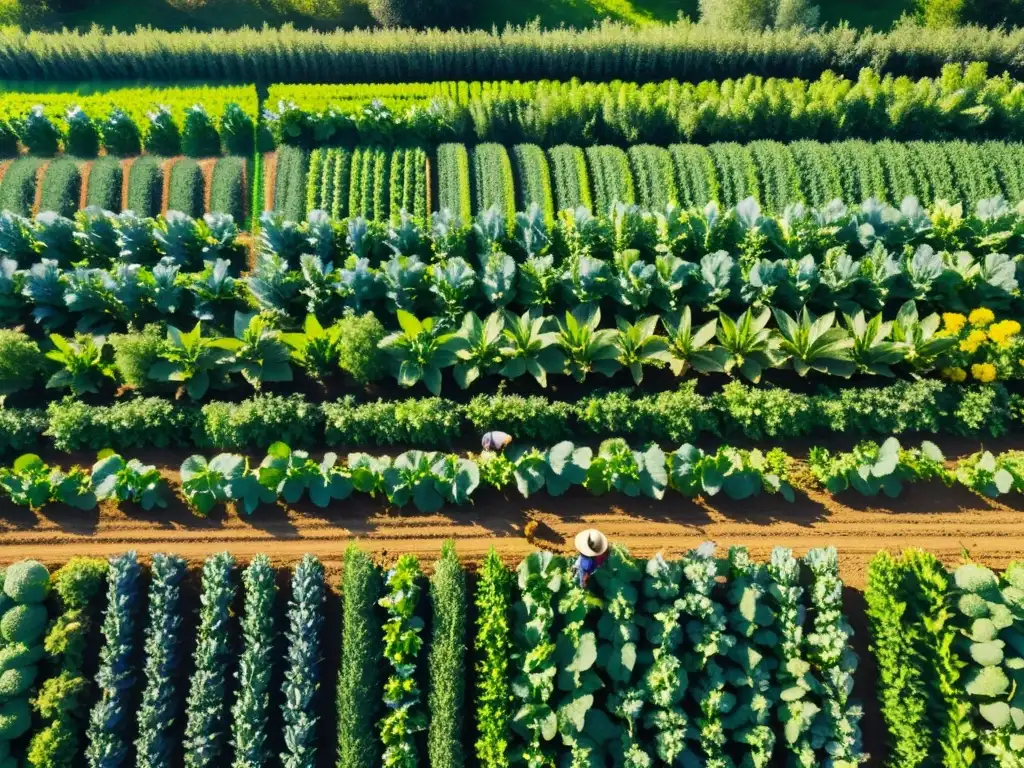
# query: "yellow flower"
[[974, 340], [983, 372], [954, 374], [953, 321], [981, 316], [1002, 333]]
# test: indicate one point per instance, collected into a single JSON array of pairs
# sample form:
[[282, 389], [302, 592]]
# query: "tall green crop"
[[206, 727], [110, 720], [493, 649], [305, 656], [571, 180], [255, 666], [446, 661], [360, 678], [161, 698]]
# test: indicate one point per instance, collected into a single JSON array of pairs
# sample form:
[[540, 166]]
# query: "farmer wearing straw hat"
[[593, 549]]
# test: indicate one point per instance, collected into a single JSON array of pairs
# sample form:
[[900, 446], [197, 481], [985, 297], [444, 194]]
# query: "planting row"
[[470, 181], [736, 411], [764, 664], [685, 50], [194, 121], [504, 346], [950, 655], [148, 185], [962, 103], [429, 480]]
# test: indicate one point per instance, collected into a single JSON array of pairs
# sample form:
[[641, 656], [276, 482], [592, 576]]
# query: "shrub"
[[21, 429], [416, 13], [759, 414], [259, 422], [21, 362], [83, 137], [18, 186], [162, 134], [186, 192], [120, 134], [135, 354], [148, 422], [24, 623], [360, 678], [61, 187], [359, 353], [199, 137], [145, 186], [104, 186], [27, 582], [237, 131], [428, 422], [525, 418], [227, 187], [493, 649], [15, 719], [39, 133]]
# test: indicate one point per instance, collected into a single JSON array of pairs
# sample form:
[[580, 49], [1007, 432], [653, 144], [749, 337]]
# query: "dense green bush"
[[61, 187], [533, 180], [654, 176], [228, 190], [432, 14], [361, 674], [24, 624], [452, 173], [21, 429], [186, 193], [149, 422], [358, 352], [145, 185], [571, 180], [26, 582], [21, 362], [259, 422], [121, 136], [446, 660], [104, 185], [18, 186], [533, 418], [611, 178], [83, 135], [136, 353], [290, 182], [427, 422], [492, 181]]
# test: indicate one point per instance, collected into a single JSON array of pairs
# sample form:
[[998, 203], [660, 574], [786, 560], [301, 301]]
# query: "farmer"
[[496, 441], [593, 549]]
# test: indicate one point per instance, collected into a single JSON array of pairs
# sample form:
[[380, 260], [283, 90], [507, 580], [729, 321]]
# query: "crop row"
[[505, 347], [430, 480], [147, 185], [950, 654], [683, 415], [375, 184], [961, 103], [469, 181], [688, 50], [194, 121]]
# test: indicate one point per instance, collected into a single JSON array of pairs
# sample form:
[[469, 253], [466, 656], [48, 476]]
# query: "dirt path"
[[956, 523]]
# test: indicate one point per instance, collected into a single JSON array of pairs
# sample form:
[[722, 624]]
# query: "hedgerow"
[[446, 660], [109, 732], [186, 192], [611, 178], [453, 187], [251, 711], [207, 712], [61, 187], [571, 180], [162, 699], [104, 186], [18, 186], [533, 177], [145, 186], [305, 656], [228, 190], [493, 184], [62, 700], [360, 678]]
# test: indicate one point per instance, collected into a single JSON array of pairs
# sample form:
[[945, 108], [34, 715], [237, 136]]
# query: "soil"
[[206, 168], [126, 170], [37, 200], [269, 179], [83, 193], [165, 194]]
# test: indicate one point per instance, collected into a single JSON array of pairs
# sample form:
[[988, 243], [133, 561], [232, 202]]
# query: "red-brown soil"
[[37, 200]]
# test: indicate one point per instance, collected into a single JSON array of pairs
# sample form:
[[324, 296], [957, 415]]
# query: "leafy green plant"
[[194, 361], [585, 347], [420, 351], [992, 475], [85, 362], [204, 484], [257, 351], [690, 348], [810, 343], [738, 473], [493, 642], [317, 350], [638, 345], [870, 468], [748, 343], [120, 480], [478, 347], [32, 483], [629, 471], [446, 660], [528, 348]]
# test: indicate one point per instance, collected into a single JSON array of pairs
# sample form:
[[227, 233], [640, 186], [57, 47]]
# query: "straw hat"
[[591, 542]]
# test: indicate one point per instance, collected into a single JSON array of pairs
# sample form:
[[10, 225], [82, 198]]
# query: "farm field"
[[318, 350]]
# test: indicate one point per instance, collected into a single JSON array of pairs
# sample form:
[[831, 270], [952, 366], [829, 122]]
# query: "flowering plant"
[[988, 349]]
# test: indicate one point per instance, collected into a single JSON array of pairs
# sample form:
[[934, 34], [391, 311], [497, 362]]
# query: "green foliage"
[[360, 678], [207, 723], [870, 468], [186, 192], [305, 655], [109, 730], [453, 187], [145, 186], [446, 660], [251, 709], [290, 182], [32, 483], [114, 478], [422, 421], [61, 187], [359, 353], [493, 651], [18, 186], [139, 423], [21, 362], [104, 184], [258, 422], [161, 697]]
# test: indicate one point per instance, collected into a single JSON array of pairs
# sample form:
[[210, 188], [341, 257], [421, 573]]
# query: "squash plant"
[[120, 480], [32, 483]]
